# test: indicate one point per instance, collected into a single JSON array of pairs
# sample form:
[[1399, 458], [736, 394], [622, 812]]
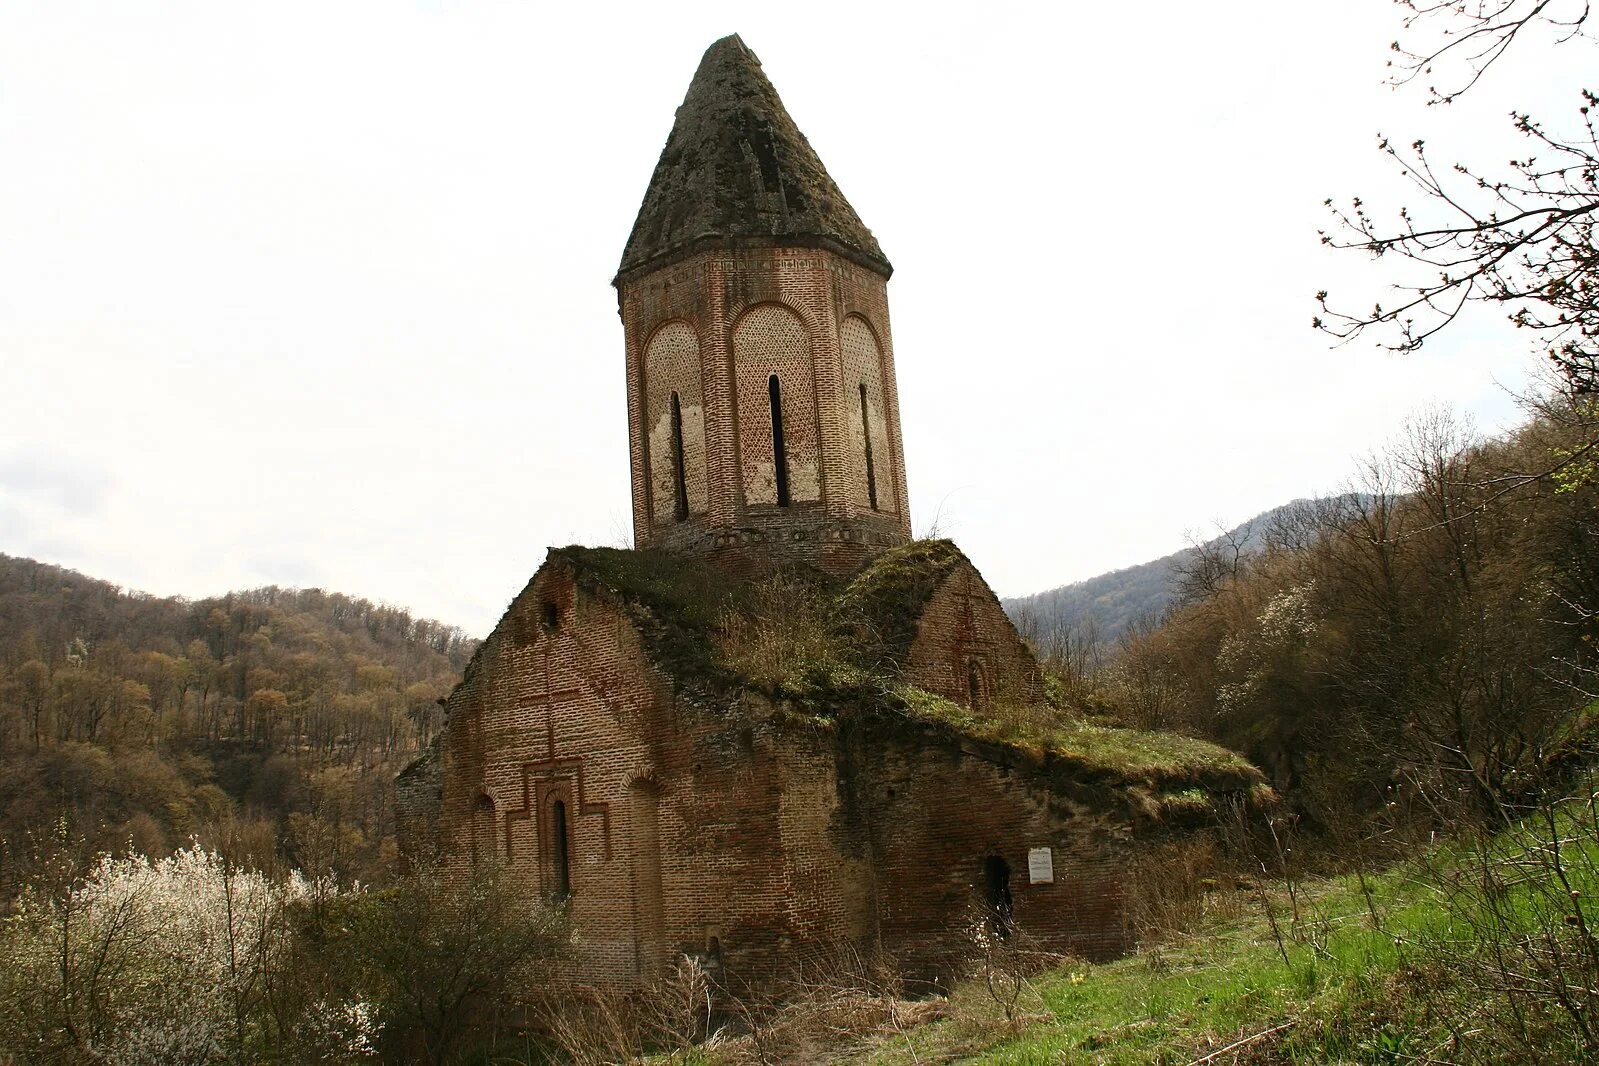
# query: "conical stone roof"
[[736, 167]]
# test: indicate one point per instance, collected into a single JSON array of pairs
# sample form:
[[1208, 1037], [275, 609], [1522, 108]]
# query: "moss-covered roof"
[[1162, 765], [676, 601], [683, 607], [883, 603], [737, 167]]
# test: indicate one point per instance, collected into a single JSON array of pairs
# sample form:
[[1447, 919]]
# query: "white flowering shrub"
[[1265, 659], [159, 961]]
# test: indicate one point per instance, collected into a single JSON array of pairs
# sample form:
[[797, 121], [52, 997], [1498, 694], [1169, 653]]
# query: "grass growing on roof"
[[820, 651], [681, 600], [676, 588], [881, 607], [1155, 759]]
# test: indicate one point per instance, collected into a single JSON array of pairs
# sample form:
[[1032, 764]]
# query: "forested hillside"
[[1426, 640], [273, 719], [1104, 609]]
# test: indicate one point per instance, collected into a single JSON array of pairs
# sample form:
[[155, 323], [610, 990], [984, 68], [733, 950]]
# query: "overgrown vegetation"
[[1422, 641], [193, 959], [269, 723], [1413, 663], [814, 649], [1475, 951]]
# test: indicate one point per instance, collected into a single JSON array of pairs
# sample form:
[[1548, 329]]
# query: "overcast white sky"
[[319, 294]]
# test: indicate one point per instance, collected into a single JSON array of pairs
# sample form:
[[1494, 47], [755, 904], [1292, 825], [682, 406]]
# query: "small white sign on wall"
[[1040, 866]]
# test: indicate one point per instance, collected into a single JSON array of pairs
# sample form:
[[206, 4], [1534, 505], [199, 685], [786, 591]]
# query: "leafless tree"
[[1521, 237], [1210, 564]]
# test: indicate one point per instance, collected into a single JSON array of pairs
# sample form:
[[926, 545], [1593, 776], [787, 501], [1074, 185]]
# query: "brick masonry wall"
[[679, 818], [558, 707], [830, 522], [966, 646], [931, 811], [734, 834]]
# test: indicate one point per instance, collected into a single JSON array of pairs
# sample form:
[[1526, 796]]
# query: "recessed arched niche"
[[778, 454], [674, 424], [866, 415]]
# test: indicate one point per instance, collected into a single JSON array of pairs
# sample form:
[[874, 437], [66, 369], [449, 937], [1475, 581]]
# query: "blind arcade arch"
[[872, 483], [674, 424], [776, 390]]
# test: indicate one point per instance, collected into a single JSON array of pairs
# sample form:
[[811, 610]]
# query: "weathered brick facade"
[[604, 746], [728, 827]]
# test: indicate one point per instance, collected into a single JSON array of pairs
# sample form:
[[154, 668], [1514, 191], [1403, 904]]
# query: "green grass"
[[1175, 770], [1165, 1005], [1352, 989]]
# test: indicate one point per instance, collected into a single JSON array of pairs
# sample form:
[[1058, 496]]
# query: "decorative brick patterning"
[[771, 340], [672, 367], [871, 463], [745, 241], [785, 310]]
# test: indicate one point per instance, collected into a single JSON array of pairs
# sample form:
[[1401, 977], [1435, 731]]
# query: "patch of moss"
[[882, 606], [679, 587], [1184, 804], [675, 601], [726, 641], [1161, 762]]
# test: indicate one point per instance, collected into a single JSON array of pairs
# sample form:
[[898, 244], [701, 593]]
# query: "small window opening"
[[551, 613], [871, 470], [996, 894], [482, 828], [976, 687], [679, 479], [779, 454], [563, 869]]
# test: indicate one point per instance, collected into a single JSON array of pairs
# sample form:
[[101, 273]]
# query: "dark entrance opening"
[[996, 894]]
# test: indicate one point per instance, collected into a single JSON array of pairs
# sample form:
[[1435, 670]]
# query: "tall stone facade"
[[780, 727]]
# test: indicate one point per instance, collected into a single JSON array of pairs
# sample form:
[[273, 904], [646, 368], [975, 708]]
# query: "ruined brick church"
[[780, 726]]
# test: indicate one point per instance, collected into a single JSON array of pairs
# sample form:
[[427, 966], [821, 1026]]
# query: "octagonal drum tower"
[[762, 410]]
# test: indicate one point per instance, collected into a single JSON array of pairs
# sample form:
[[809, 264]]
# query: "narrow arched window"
[[483, 848], [563, 868], [866, 434], [976, 686], [996, 894], [779, 454], [679, 482]]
